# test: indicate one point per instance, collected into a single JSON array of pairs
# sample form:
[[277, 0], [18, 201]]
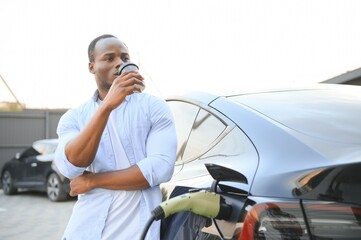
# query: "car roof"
[[331, 113], [47, 141]]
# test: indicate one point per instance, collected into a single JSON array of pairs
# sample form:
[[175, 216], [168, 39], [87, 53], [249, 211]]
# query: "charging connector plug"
[[204, 203]]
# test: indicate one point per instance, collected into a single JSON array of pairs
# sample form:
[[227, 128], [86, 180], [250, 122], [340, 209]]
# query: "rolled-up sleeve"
[[161, 146], [67, 130]]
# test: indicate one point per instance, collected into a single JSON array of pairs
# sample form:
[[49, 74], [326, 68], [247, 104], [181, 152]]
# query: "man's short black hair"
[[94, 42]]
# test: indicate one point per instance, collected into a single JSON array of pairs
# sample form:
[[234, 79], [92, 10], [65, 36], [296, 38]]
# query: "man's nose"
[[119, 62]]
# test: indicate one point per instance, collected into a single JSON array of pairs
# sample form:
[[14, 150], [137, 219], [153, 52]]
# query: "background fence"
[[19, 129]]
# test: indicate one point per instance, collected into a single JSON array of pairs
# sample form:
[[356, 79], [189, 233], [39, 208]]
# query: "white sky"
[[181, 45]]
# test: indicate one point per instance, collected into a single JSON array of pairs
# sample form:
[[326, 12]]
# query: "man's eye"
[[126, 59], [109, 59]]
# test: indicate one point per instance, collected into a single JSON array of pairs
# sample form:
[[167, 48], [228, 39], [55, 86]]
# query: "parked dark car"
[[296, 154], [33, 169]]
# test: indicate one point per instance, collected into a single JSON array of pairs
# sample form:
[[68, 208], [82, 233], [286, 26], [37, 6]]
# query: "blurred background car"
[[33, 169], [298, 149]]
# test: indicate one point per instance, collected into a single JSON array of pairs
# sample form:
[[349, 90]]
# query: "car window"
[[196, 129], [204, 132], [29, 152], [184, 117]]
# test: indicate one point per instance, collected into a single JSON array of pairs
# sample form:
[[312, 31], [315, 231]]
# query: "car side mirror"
[[17, 156]]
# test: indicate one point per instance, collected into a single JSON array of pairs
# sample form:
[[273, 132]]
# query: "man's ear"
[[91, 67]]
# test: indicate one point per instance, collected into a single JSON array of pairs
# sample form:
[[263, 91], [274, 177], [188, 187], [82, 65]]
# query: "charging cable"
[[202, 202]]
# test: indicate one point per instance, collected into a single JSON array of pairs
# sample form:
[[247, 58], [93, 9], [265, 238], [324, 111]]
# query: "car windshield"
[[45, 147], [29, 152]]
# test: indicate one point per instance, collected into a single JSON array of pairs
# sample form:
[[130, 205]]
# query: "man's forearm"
[[81, 150], [126, 179]]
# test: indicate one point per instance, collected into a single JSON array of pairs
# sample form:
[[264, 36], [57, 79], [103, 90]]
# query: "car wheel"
[[55, 189], [8, 183]]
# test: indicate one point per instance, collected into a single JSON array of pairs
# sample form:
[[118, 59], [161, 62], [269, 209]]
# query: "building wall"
[[350, 78], [19, 129]]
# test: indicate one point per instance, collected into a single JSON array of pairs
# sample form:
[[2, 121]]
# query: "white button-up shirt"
[[147, 133]]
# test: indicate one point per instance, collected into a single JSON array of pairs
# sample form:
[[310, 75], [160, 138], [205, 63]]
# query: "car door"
[[209, 137], [24, 168], [42, 163], [32, 170]]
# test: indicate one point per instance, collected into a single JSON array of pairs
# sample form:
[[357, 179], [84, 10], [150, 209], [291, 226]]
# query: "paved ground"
[[31, 216]]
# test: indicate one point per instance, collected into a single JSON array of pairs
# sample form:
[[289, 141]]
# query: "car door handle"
[[34, 164]]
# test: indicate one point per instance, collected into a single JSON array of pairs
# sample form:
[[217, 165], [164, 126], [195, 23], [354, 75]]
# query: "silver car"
[[287, 161]]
